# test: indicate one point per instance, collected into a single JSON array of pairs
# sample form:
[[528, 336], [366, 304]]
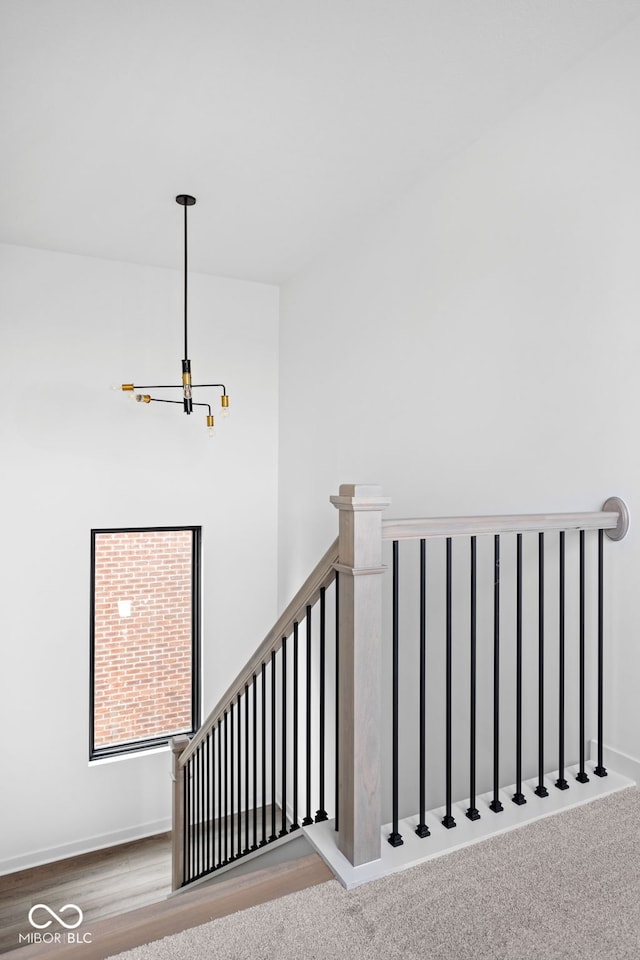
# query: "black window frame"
[[148, 743]]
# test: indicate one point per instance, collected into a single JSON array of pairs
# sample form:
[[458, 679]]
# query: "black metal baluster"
[[246, 769], [582, 774], [448, 820], [212, 804], [231, 784], [295, 825], [203, 797], [202, 825], [212, 809], [194, 821], [422, 829], [600, 770], [561, 782], [264, 755], [273, 747], [207, 851], [239, 817], [226, 789], [472, 813], [254, 682], [518, 796], [308, 819], [321, 813], [337, 731], [283, 828], [395, 838], [495, 804], [220, 848], [201, 809], [198, 812], [193, 787], [541, 790], [187, 826]]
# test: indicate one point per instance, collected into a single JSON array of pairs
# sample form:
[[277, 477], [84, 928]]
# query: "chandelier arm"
[[207, 405], [158, 386], [195, 404], [195, 385]]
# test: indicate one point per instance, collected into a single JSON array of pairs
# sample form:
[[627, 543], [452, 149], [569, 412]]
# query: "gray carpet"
[[565, 887]]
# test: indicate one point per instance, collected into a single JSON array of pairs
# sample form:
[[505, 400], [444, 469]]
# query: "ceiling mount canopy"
[[187, 402]]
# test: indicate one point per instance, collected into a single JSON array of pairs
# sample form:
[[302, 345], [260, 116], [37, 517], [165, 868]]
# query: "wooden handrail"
[[321, 576], [432, 527]]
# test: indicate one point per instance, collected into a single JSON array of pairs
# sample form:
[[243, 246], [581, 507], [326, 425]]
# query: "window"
[[144, 637]]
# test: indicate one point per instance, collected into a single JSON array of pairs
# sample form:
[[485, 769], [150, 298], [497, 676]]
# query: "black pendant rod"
[[186, 352], [185, 200]]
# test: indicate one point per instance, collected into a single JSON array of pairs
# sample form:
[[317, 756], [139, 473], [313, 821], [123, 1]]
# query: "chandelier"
[[187, 402]]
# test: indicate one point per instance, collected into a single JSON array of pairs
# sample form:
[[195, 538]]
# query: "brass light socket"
[[127, 386], [186, 379], [225, 400], [143, 398], [209, 421]]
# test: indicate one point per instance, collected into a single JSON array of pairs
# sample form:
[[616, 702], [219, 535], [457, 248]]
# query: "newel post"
[[178, 745], [360, 634]]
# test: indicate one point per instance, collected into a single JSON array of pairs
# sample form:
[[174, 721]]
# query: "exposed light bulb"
[[211, 432]]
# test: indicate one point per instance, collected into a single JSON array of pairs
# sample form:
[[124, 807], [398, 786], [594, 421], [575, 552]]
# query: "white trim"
[[129, 755], [414, 850], [50, 854], [620, 762]]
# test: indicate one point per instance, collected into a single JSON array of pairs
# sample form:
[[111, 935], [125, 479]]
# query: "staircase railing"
[[259, 758], [540, 587], [306, 710]]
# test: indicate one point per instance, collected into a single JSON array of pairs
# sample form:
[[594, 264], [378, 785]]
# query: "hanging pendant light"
[[187, 402]]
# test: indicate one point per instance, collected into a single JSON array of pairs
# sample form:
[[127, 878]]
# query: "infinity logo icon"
[[55, 916]]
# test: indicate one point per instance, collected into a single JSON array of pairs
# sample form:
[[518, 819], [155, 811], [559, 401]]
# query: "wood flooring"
[[123, 894]]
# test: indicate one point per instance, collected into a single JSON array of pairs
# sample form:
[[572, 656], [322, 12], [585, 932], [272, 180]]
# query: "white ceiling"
[[289, 120]]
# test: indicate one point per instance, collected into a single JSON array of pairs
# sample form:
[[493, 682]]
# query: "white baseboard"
[[618, 761], [39, 857]]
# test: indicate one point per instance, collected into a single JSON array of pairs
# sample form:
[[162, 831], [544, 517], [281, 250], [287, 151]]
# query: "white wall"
[[475, 347], [75, 456]]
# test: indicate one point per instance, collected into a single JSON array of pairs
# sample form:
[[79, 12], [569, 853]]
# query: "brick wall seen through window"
[[143, 631]]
